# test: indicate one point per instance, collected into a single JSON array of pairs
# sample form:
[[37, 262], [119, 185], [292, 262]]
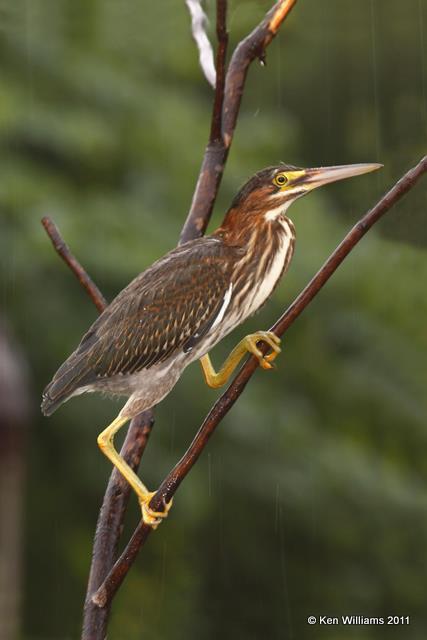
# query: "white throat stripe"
[[273, 214]]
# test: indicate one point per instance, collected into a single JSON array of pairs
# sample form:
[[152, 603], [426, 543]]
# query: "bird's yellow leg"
[[247, 345], [106, 444]]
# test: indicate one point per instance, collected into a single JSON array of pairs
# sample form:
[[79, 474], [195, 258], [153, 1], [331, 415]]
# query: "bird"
[[180, 307]]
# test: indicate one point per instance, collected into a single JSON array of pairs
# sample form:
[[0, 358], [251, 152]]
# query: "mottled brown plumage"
[[179, 308], [168, 315], [150, 319]]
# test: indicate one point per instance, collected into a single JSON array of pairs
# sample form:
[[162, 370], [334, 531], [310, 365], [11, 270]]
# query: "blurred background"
[[311, 498]]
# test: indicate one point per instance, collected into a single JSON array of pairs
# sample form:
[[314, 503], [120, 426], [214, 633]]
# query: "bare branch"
[[279, 13], [252, 47], [82, 276], [223, 405], [216, 154], [198, 29], [222, 37]]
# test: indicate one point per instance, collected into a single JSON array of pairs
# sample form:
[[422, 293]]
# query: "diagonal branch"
[[82, 276], [216, 154], [223, 405]]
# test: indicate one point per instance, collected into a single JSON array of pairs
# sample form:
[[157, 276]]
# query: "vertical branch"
[[213, 160], [216, 154], [221, 54]]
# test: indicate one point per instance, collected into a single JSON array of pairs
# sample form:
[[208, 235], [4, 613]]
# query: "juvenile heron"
[[175, 311]]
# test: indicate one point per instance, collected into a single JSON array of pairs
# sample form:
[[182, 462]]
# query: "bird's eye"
[[280, 180]]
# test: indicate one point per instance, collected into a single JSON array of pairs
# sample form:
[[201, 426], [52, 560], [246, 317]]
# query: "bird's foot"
[[150, 517], [269, 338]]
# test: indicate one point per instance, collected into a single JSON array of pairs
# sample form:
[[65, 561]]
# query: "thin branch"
[[198, 29], [252, 47], [223, 405], [82, 276], [221, 54], [279, 14], [216, 154]]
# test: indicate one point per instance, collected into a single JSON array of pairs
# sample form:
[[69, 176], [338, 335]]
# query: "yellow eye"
[[280, 180]]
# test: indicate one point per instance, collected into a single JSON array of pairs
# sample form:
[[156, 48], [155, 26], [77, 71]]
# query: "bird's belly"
[[145, 388]]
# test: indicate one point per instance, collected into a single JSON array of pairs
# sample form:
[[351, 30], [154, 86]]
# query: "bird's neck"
[[263, 247], [261, 250], [246, 229]]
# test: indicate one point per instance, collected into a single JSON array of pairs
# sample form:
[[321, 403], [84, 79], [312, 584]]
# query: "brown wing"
[[166, 309]]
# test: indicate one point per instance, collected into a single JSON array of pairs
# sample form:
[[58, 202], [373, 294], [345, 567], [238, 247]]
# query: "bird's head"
[[268, 194]]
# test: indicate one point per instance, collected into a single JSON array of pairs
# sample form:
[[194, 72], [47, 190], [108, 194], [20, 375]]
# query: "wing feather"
[[167, 308]]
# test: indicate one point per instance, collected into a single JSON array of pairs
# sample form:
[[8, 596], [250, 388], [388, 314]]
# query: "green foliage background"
[[312, 496]]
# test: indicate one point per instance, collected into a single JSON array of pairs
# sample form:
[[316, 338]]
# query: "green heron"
[[185, 303]]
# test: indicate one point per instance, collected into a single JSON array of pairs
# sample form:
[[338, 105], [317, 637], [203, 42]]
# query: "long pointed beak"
[[324, 175]]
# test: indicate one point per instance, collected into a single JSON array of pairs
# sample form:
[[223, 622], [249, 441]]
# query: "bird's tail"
[[69, 380]]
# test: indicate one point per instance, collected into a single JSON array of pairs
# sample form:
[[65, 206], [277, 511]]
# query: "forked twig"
[[223, 405], [216, 154]]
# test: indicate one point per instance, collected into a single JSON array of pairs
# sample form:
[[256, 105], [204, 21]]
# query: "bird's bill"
[[324, 175]]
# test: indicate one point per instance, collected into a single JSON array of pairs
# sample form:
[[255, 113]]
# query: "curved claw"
[[271, 355], [271, 340], [264, 363], [150, 517]]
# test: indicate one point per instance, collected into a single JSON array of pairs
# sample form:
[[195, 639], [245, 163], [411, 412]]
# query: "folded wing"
[[166, 309]]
